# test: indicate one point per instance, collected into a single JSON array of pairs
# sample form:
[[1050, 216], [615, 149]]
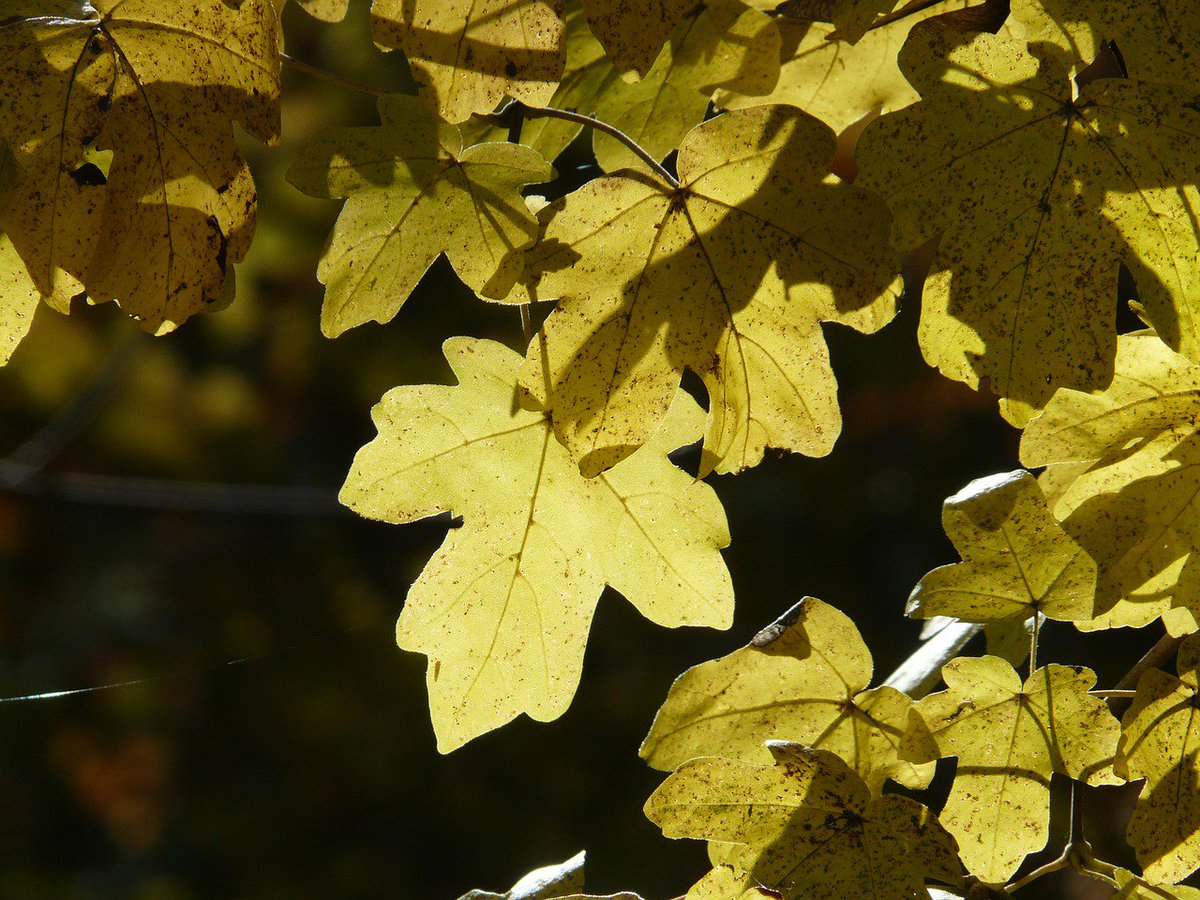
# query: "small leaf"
[[1134, 888], [1018, 561], [1009, 739], [415, 192], [18, 300], [802, 679], [503, 608], [807, 807]]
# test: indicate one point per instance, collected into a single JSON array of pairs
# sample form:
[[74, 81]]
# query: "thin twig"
[[526, 324], [1053, 866], [1075, 828], [1156, 656], [309, 69], [1113, 694], [1033, 643]]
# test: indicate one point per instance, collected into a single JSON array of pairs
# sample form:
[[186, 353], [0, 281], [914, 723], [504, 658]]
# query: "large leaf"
[[415, 192], [467, 55], [132, 187], [503, 608], [729, 275], [1161, 743], [808, 827], [803, 679], [1039, 196], [1009, 739], [633, 31], [1017, 560]]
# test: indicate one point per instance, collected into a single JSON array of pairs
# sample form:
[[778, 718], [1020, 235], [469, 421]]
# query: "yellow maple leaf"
[[742, 262], [467, 55], [1009, 739], [325, 10], [632, 32], [1128, 468], [807, 827], [803, 679], [1017, 560], [1160, 742], [1040, 196], [502, 610], [415, 192], [156, 87], [18, 300]]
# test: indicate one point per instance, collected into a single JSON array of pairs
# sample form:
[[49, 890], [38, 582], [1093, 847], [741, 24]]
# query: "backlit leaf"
[[1161, 743], [1009, 739], [325, 10], [808, 825], [633, 31], [467, 55], [741, 264], [503, 608], [803, 679], [18, 300], [1017, 559], [157, 86], [1134, 888], [1040, 196], [415, 192]]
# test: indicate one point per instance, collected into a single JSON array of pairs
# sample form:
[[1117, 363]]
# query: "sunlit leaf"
[[325, 10], [415, 192], [467, 55], [633, 31], [151, 91], [803, 679], [1018, 561], [1134, 888], [1161, 743], [741, 264], [1040, 196], [503, 608], [1009, 739], [808, 825], [18, 300]]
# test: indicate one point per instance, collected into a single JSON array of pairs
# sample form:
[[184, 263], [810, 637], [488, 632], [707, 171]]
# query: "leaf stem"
[[1114, 694], [1053, 866], [526, 323], [1033, 642], [324, 75]]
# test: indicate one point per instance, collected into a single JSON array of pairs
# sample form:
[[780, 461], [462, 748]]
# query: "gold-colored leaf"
[[18, 300], [808, 827], [325, 10], [1018, 561], [1010, 738], [467, 55], [633, 31], [415, 192], [503, 608], [728, 275], [159, 86], [803, 679], [1040, 196], [1134, 888]]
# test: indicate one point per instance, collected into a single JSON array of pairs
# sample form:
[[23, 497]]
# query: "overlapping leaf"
[[633, 32], [1161, 743], [727, 275], [132, 187], [1039, 195], [1017, 560], [325, 10], [808, 827], [415, 192], [1009, 739], [18, 300], [503, 608], [467, 55], [1134, 888], [803, 679], [1130, 496]]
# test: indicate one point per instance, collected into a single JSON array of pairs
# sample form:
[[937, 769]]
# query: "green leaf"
[[467, 55], [160, 86], [1134, 888], [503, 608], [808, 827], [1018, 561], [802, 679], [415, 192], [1160, 742], [743, 261], [1040, 197], [1009, 739]]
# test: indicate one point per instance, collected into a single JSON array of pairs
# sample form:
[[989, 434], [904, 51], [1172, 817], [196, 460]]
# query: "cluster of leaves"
[[1044, 155]]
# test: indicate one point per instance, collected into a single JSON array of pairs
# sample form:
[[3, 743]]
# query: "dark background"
[[309, 770]]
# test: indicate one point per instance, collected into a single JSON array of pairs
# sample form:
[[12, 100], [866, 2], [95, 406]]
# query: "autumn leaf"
[[503, 608], [1039, 196], [802, 679], [744, 260], [150, 90], [18, 300], [1009, 739], [1134, 888], [467, 55], [1129, 492], [808, 825], [1018, 561], [632, 32], [1160, 742], [415, 192], [325, 10]]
